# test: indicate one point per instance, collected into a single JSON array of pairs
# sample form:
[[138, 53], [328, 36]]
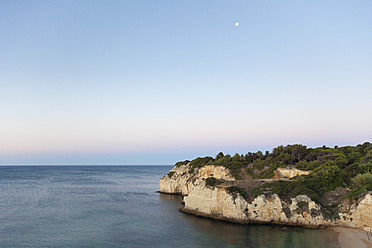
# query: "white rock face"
[[217, 202], [291, 172], [357, 214], [177, 184], [218, 172], [180, 182]]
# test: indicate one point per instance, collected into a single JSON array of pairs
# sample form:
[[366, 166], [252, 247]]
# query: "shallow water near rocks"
[[117, 206]]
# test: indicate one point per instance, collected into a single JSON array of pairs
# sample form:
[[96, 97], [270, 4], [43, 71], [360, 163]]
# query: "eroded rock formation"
[[219, 203], [290, 172]]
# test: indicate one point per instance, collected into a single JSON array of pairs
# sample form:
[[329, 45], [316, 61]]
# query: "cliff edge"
[[213, 191]]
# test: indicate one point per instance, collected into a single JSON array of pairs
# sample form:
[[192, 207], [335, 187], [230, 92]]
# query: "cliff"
[[211, 191], [179, 180]]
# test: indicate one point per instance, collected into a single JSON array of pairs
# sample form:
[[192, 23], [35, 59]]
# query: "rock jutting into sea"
[[213, 191]]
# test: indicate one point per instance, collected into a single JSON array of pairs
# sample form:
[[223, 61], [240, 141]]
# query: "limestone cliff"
[[219, 203], [179, 179], [176, 181], [290, 172]]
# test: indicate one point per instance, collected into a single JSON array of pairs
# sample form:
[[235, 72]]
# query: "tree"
[[219, 156]]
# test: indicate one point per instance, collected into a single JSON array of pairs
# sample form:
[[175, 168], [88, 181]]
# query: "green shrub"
[[365, 167], [268, 173], [312, 165], [199, 162], [302, 165], [368, 157], [211, 181], [170, 174], [178, 164], [362, 180], [223, 161], [328, 176], [302, 204], [259, 164], [256, 191], [331, 212], [355, 193], [235, 190], [354, 157]]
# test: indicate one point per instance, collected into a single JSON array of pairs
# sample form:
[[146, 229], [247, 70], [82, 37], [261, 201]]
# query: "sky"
[[155, 82]]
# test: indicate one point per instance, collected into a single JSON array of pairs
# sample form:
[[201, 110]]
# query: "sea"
[[118, 206]]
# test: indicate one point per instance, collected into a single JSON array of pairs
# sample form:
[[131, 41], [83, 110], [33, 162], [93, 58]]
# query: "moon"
[[236, 24]]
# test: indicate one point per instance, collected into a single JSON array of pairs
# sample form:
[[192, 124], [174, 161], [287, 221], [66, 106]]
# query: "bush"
[[199, 162], [170, 174], [362, 180], [302, 204], [331, 212], [302, 165], [234, 190], [328, 176], [312, 165], [355, 193], [256, 191], [178, 164], [363, 168], [211, 181], [223, 161], [368, 157], [259, 165], [268, 173]]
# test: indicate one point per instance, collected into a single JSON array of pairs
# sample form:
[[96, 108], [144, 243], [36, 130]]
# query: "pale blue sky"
[[155, 82]]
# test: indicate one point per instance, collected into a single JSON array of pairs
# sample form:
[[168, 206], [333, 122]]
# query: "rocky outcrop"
[[290, 172], [357, 214], [176, 181], [218, 202], [179, 179]]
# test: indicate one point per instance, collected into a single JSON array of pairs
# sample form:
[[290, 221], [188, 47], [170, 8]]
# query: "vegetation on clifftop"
[[346, 167], [211, 181]]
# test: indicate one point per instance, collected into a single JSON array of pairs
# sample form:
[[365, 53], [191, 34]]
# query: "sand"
[[353, 238]]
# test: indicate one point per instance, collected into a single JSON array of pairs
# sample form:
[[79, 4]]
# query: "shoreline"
[[222, 218], [348, 237], [167, 193]]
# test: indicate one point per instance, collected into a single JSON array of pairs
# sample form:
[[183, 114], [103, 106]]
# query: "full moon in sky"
[[236, 24]]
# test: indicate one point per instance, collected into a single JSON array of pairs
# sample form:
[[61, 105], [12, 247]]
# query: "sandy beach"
[[353, 238]]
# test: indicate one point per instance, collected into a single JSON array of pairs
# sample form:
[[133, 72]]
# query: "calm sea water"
[[116, 206]]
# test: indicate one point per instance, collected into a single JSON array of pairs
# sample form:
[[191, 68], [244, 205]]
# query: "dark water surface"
[[116, 206]]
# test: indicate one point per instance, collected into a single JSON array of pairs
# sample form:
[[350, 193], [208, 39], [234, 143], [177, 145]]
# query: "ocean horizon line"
[[7, 165]]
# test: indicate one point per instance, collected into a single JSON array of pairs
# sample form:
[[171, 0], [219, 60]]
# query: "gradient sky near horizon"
[[155, 82]]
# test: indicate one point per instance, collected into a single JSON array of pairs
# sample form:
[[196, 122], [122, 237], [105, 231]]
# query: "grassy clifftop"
[[347, 167]]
